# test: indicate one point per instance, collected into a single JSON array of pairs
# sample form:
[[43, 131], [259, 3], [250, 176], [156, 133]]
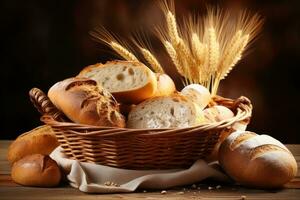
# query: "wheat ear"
[[172, 28], [213, 49], [122, 51], [197, 48], [174, 57], [234, 55], [152, 60]]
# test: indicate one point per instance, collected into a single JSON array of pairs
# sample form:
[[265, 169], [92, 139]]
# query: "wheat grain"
[[122, 51], [152, 60]]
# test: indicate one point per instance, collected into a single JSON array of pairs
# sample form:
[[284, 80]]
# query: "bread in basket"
[[139, 148]]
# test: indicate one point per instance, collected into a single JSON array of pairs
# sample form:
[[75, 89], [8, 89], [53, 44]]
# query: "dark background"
[[43, 42]]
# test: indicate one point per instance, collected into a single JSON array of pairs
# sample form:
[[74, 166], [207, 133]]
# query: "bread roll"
[[85, 102], [197, 93], [165, 85], [175, 111], [257, 160], [39, 140], [129, 82], [217, 113], [36, 170]]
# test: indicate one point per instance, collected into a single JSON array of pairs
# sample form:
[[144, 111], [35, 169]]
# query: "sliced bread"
[[175, 111], [129, 82]]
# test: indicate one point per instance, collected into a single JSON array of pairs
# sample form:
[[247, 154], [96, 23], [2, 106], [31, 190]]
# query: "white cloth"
[[92, 178]]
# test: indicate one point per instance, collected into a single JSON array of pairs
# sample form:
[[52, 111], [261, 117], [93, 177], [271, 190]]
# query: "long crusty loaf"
[[175, 111], [257, 160], [84, 101], [40, 140], [129, 82]]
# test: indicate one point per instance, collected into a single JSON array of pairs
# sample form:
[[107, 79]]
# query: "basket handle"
[[43, 104]]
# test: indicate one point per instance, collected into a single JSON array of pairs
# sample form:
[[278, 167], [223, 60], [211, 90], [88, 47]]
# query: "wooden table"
[[10, 190]]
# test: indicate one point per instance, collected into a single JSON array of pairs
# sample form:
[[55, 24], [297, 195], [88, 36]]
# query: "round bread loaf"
[[165, 85], [198, 94], [36, 170], [40, 140], [257, 160]]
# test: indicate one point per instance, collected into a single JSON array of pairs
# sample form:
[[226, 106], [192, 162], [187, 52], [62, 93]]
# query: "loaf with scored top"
[[84, 101], [257, 160]]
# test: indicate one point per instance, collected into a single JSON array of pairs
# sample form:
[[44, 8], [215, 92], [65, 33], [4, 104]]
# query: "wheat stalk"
[[197, 48], [122, 51], [213, 49], [203, 50], [232, 60], [174, 57], [152, 60], [172, 28]]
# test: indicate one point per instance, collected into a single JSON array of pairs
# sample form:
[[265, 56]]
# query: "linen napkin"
[[94, 178]]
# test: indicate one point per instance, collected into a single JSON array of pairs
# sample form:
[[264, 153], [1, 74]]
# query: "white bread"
[[175, 111], [257, 160], [197, 93], [129, 82], [36, 170], [165, 85], [40, 140], [217, 113], [84, 101]]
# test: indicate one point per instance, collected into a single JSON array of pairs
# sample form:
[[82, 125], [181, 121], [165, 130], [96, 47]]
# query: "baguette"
[[40, 140], [257, 160], [129, 82], [85, 102], [175, 111]]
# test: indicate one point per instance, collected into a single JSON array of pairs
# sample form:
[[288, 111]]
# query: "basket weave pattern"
[[138, 148]]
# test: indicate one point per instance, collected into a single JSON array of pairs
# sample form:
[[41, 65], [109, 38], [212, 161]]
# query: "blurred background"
[[46, 41]]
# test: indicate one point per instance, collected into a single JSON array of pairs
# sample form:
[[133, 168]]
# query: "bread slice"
[[175, 111], [129, 82]]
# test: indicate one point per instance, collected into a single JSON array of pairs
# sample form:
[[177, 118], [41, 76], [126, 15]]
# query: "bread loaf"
[[129, 82], [217, 113], [197, 93], [175, 111], [36, 170], [165, 85], [40, 140], [84, 101], [257, 160]]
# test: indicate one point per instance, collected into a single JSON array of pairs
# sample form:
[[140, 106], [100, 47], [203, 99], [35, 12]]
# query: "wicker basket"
[[138, 148]]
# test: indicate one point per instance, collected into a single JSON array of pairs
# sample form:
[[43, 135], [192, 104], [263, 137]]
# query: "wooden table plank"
[[10, 190]]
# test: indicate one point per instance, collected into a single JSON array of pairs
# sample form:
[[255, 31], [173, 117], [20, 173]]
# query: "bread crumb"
[[163, 192], [210, 188], [109, 183], [243, 197]]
